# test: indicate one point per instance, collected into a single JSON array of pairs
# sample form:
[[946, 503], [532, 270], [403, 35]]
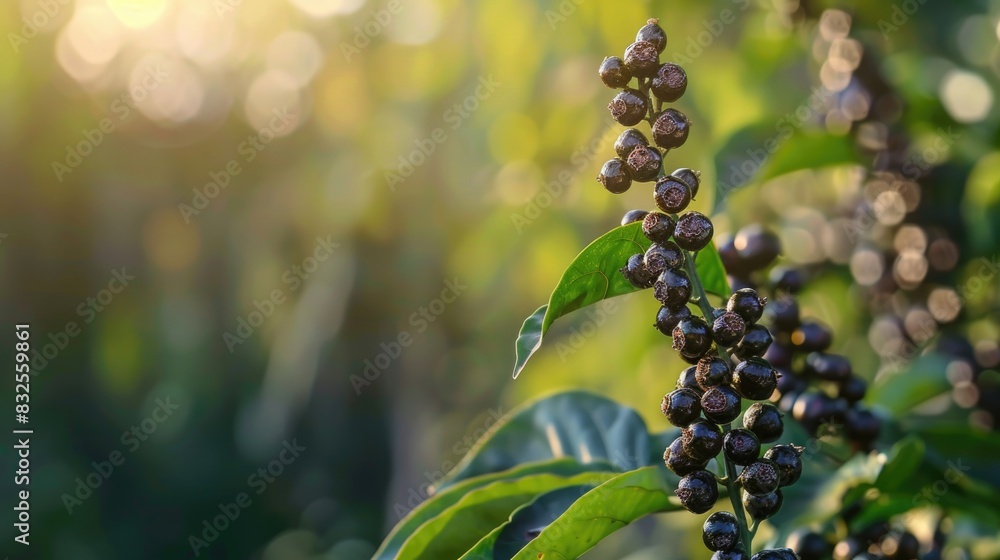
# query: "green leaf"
[[525, 524], [440, 501], [904, 460], [576, 424], [593, 276], [903, 390], [460, 526], [602, 511]]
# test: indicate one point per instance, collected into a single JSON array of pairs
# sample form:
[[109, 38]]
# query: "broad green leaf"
[[442, 500], [576, 424], [765, 150], [459, 527], [525, 524], [602, 511], [970, 452], [593, 276], [920, 381], [904, 459]]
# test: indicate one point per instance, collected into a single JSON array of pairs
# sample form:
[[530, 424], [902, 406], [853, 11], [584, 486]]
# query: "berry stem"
[[732, 486]]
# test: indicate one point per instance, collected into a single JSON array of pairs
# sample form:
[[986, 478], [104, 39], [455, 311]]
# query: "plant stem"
[[732, 487]]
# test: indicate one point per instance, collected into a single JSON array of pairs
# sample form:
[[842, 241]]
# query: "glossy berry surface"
[[764, 420], [755, 342], [760, 477], [642, 59], [615, 176], [862, 425], [786, 280], [852, 390], [679, 462], [693, 231], [712, 371], [720, 531], [635, 272], [764, 506], [698, 491], [644, 164], [784, 313], [721, 404], [829, 367], [629, 107], [672, 288], [691, 337], [747, 304], [687, 380], [689, 177], [734, 554], [613, 72], [671, 196], [741, 446], [775, 554], [755, 379], [671, 129], [662, 257], [728, 329], [628, 140], [811, 337], [653, 33], [669, 83], [789, 462], [668, 317], [756, 246], [702, 440], [681, 407], [814, 408], [658, 227], [633, 216]]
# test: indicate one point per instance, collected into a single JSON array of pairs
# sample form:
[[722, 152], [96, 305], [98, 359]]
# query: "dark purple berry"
[[628, 140], [692, 337], [658, 227], [779, 355], [669, 83], [741, 446], [903, 546], [811, 337], [693, 231], [728, 329], [809, 545], [672, 288], [713, 371], [613, 72], [814, 408], [764, 420], [644, 164], [670, 129], [756, 246], [721, 531], [755, 342], [698, 491], [667, 318], [687, 380], [629, 107], [852, 390], [689, 177], [721, 404], [615, 176], [635, 272], [760, 477], [775, 554], [755, 379], [653, 33], [681, 407], [787, 280], [662, 257], [681, 463], [702, 440], [764, 506], [747, 304], [671, 195], [789, 382], [633, 216], [788, 458], [829, 367], [642, 59], [731, 258], [784, 313], [734, 554], [862, 426]]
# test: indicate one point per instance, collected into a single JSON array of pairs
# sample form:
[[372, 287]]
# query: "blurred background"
[[238, 228]]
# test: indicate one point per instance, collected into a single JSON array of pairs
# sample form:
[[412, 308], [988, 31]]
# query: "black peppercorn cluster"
[[655, 84], [816, 386]]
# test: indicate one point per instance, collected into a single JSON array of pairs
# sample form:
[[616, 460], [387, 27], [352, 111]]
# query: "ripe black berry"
[[669, 83], [755, 342], [852, 390], [642, 59], [784, 313], [613, 73], [728, 329], [811, 337], [785, 279], [692, 337], [670, 129], [747, 304], [760, 477], [775, 554], [764, 420], [713, 371], [789, 462], [721, 531], [693, 231], [628, 140], [755, 379], [741, 446], [731, 258], [658, 227], [644, 163], [633, 216], [698, 491], [653, 33], [764, 506], [721, 404], [687, 380], [635, 272], [756, 246], [690, 178], [862, 425], [672, 288], [671, 196], [829, 367], [679, 462], [629, 107], [662, 257], [615, 176], [809, 545], [681, 407], [779, 355], [667, 318], [702, 440], [734, 554], [814, 408]]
